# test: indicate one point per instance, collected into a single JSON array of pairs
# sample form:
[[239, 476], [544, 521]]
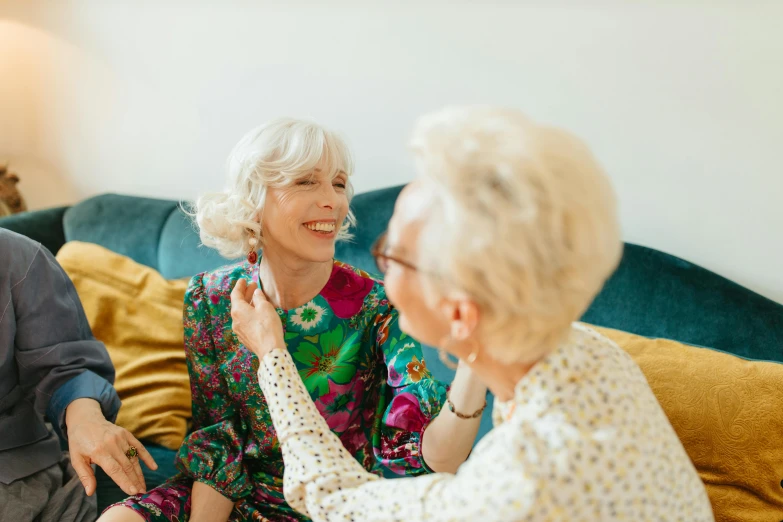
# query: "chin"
[[319, 255]]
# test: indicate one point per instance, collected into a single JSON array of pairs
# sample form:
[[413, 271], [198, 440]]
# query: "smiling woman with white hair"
[[492, 253], [288, 194]]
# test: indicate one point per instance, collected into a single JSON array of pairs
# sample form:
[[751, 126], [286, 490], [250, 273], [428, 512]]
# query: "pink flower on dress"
[[354, 439], [345, 291], [337, 405], [160, 498], [405, 413]]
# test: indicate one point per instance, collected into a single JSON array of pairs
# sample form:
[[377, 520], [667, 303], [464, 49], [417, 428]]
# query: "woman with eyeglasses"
[[492, 253], [288, 197]]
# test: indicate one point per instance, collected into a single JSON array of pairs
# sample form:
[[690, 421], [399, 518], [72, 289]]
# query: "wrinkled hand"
[[93, 439], [255, 321]]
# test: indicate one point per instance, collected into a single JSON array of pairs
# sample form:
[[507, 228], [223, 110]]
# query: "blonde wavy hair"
[[522, 220], [276, 154]]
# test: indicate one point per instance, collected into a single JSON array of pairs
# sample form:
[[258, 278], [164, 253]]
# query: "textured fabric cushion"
[[138, 315], [727, 413]]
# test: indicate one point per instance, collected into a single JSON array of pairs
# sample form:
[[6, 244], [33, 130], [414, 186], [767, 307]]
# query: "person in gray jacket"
[[53, 369]]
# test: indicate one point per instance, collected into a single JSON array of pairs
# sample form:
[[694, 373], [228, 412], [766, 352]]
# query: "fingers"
[[238, 292], [259, 298], [130, 466], [249, 291], [85, 473], [118, 445], [143, 453], [139, 474], [126, 481]]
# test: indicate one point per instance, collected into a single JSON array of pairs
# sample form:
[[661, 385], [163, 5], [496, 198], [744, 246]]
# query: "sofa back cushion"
[[726, 412]]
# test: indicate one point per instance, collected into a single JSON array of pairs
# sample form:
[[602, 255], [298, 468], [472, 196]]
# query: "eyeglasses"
[[378, 251]]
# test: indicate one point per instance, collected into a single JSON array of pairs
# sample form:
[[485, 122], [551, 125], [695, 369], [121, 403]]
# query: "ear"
[[462, 314]]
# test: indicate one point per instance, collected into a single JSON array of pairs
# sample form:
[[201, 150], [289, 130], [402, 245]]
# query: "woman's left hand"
[[94, 440], [255, 321]]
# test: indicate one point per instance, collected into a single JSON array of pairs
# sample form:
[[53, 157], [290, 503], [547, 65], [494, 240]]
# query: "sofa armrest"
[[44, 226]]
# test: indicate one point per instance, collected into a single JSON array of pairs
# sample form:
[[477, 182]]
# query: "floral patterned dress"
[[367, 379]]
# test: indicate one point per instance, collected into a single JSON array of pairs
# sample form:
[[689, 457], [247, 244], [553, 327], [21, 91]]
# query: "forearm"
[[322, 480], [316, 463], [207, 505], [448, 440]]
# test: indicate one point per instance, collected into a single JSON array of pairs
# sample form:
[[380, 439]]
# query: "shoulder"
[[17, 253], [585, 334], [216, 285], [11, 242], [606, 355]]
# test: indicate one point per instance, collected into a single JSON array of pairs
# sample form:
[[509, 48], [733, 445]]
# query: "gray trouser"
[[52, 495]]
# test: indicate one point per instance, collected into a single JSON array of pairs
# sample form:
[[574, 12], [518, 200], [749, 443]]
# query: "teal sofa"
[[651, 294]]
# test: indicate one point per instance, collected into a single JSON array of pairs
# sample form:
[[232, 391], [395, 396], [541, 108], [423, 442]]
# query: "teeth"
[[321, 227]]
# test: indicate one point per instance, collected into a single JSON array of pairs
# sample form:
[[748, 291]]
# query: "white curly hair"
[[522, 220], [276, 154]]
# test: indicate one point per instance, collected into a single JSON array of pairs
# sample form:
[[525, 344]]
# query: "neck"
[[501, 378], [290, 283]]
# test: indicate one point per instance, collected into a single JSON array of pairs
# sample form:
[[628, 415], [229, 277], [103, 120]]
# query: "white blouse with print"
[[583, 439]]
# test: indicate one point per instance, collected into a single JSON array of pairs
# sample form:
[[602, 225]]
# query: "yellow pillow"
[[728, 413], [138, 315]]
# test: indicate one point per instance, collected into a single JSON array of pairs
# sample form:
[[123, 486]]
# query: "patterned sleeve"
[[324, 482], [411, 399], [212, 453]]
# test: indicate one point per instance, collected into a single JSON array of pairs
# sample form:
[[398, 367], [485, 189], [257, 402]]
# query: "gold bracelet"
[[453, 410]]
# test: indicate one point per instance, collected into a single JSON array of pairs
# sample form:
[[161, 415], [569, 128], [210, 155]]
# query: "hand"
[[93, 439], [255, 321]]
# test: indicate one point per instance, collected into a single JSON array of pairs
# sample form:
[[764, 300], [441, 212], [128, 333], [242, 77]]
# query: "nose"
[[327, 196]]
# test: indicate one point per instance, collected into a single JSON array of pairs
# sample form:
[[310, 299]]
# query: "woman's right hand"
[[255, 320]]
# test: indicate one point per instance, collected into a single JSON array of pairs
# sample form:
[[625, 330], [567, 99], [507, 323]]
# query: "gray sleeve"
[[54, 343]]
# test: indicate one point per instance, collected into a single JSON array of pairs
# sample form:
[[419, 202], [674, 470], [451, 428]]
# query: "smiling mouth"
[[322, 227]]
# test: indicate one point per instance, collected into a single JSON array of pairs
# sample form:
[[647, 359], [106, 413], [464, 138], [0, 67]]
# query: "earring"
[[447, 362], [252, 255], [473, 355]]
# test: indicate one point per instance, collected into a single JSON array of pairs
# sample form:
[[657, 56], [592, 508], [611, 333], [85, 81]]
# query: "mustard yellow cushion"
[[728, 413], [138, 315]]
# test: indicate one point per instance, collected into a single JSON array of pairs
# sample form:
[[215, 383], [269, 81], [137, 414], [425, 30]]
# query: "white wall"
[[682, 102]]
